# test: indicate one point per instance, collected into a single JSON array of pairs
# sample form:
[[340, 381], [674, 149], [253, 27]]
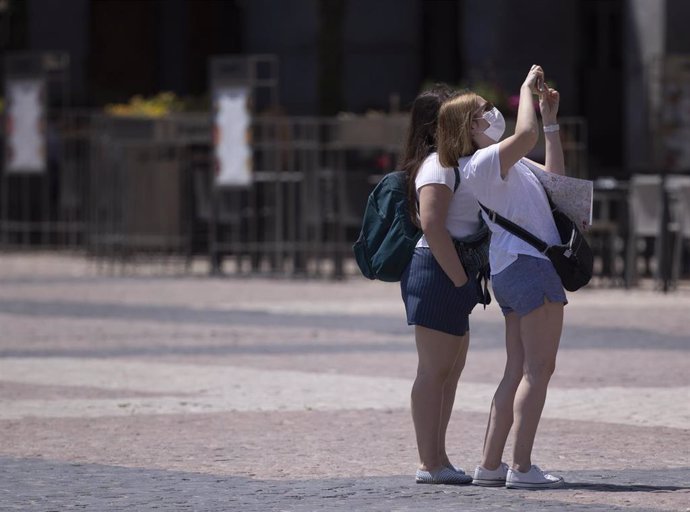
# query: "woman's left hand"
[[548, 105]]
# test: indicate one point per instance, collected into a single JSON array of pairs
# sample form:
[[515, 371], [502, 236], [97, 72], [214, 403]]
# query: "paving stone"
[[179, 393]]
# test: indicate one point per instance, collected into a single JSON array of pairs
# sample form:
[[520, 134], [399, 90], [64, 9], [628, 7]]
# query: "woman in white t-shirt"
[[438, 292], [524, 281]]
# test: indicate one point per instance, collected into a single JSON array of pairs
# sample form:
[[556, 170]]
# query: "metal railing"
[[131, 190]]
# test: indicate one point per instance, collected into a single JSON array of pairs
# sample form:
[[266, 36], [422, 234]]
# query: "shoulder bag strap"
[[516, 230]]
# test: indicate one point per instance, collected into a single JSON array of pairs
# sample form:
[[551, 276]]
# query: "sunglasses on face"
[[487, 107]]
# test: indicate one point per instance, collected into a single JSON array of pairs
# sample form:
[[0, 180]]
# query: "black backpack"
[[388, 236]]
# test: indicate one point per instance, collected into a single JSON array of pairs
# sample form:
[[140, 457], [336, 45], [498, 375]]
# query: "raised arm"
[[526, 135], [548, 105]]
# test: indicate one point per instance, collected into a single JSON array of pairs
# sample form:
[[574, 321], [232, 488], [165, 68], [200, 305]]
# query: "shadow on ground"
[[45, 485]]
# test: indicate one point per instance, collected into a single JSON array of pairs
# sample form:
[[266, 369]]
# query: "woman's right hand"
[[535, 75], [516, 146], [463, 281]]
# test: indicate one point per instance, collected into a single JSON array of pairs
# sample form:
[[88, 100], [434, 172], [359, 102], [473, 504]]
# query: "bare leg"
[[540, 332], [437, 352], [449, 389], [501, 414]]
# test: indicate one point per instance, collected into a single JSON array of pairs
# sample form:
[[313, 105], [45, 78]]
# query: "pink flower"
[[514, 103]]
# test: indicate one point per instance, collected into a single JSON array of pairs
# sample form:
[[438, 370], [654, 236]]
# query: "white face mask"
[[497, 124]]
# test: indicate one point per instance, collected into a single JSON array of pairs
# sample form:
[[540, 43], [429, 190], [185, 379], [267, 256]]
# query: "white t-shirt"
[[519, 198], [463, 211]]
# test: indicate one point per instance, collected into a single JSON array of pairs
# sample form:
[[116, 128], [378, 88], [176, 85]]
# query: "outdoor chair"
[[681, 203], [607, 234], [645, 209]]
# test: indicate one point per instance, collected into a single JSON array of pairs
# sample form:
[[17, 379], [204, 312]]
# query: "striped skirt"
[[432, 300]]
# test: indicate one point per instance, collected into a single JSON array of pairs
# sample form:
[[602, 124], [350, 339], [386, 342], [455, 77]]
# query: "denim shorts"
[[526, 284], [432, 300]]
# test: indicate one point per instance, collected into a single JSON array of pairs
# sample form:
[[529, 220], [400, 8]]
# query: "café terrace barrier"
[[130, 192]]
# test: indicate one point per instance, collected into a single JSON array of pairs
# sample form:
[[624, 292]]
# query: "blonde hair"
[[454, 131]]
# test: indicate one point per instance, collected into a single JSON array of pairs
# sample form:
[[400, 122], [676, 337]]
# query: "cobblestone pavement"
[[191, 393]]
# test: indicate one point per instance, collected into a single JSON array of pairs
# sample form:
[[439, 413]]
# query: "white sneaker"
[[535, 478], [490, 478]]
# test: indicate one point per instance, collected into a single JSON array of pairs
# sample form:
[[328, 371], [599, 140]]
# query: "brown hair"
[[421, 137], [454, 136]]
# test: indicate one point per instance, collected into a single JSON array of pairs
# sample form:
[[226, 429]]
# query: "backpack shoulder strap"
[[457, 182], [516, 230]]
